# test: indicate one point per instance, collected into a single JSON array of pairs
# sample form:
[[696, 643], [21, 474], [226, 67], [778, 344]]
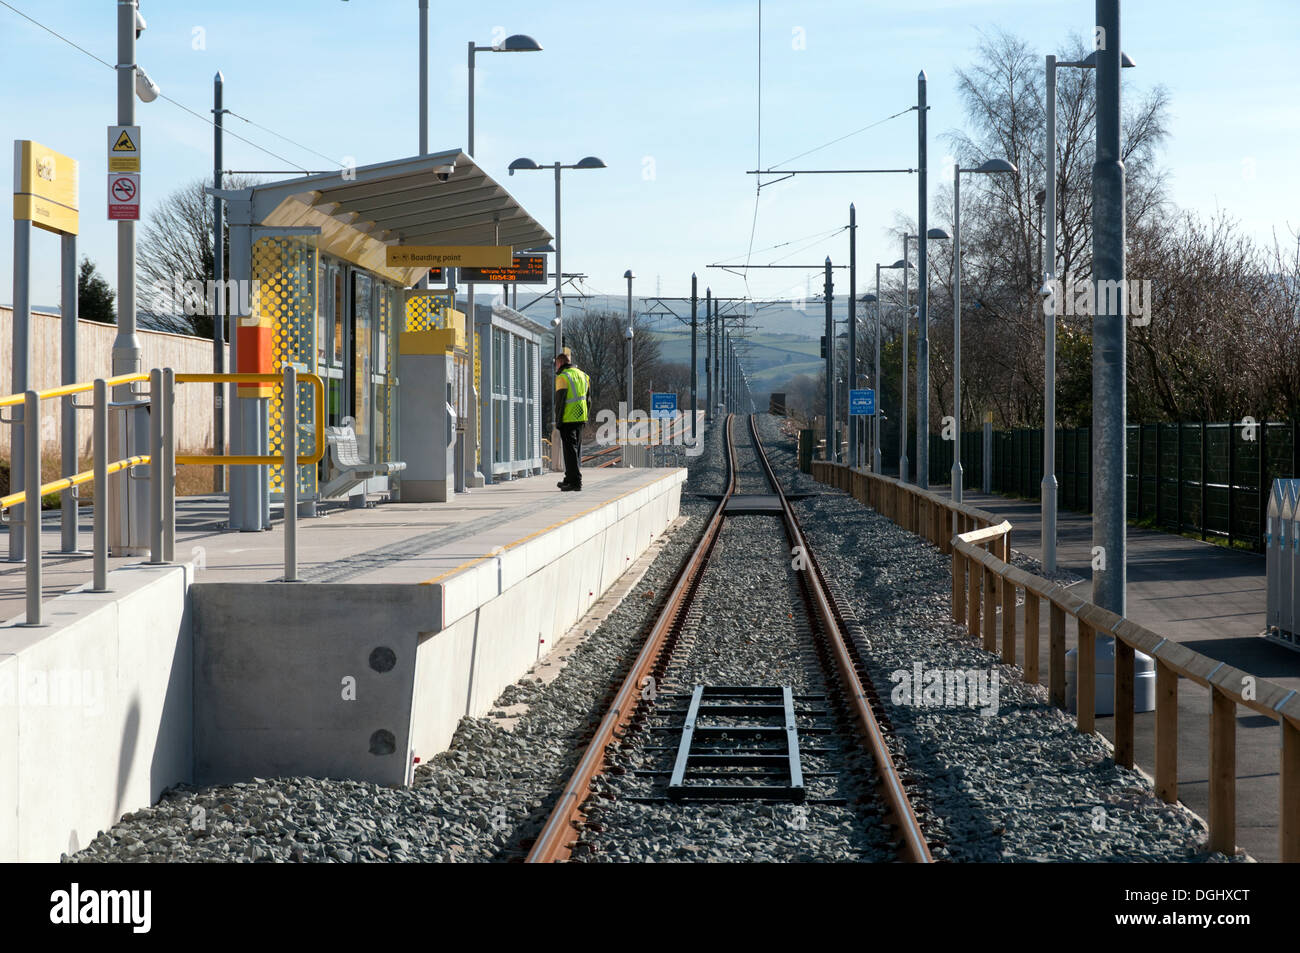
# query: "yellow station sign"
[[450, 256], [45, 187]]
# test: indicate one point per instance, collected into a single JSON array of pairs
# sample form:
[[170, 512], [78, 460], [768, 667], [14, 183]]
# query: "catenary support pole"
[[1109, 393], [1048, 490], [851, 371], [695, 361], [922, 297], [829, 294]]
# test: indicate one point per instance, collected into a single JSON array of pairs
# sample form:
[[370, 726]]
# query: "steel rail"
[[556, 840], [913, 844]]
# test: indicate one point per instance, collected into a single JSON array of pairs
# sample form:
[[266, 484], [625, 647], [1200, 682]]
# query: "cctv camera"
[[442, 176], [145, 88], [443, 172], [140, 25], [555, 322]]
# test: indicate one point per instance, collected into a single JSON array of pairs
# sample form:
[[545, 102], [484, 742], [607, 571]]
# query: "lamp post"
[[517, 43], [1048, 490], [989, 167], [922, 282], [588, 162], [875, 437], [628, 335]]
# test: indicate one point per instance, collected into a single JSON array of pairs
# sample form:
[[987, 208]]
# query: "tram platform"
[[406, 618]]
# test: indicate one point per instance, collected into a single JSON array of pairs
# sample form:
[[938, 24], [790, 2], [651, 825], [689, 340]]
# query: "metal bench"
[[344, 468]]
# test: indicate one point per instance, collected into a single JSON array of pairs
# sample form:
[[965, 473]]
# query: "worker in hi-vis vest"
[[572, 393]]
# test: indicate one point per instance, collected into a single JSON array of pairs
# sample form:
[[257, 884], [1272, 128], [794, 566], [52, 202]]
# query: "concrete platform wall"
[[305, 679], [95, 711]]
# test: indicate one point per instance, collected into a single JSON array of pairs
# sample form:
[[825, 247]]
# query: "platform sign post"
[[124, 197], [862, 402], [46, 194], [662, 407]]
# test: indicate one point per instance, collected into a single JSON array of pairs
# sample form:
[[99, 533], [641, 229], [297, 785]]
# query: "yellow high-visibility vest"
[[575, 395]]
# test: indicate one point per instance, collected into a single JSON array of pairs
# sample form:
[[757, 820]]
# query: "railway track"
[[741, 741]]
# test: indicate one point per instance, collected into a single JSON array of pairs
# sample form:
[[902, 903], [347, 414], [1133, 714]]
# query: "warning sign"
[[123, 148], [123, 197]]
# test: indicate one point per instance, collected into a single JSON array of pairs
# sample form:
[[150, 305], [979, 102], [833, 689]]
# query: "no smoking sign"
[[123, 196]]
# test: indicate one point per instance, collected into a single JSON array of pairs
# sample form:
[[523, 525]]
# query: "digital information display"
[[526, 270]]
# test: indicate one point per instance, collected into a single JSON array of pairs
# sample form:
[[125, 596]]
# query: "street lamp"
[[923, 479], [518, 43], [628, 335], [990, 166], [1048, 489], [526, 164]]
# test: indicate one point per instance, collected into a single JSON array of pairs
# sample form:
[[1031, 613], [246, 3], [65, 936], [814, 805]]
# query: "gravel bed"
[[480, 800], [745, 628], [1015, 783]]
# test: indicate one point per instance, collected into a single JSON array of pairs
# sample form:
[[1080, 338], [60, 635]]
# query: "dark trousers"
[[571, 440]]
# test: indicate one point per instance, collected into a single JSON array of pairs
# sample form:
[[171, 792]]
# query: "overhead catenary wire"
[[848, 135], [81, 49]]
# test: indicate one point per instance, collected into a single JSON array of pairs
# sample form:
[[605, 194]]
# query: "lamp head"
[[523, 163], [996, 165], [518, 43], [1090, 61], [938, 234], [590, 162]]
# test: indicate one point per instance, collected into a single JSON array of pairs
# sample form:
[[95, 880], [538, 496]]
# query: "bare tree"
[[176, 247]]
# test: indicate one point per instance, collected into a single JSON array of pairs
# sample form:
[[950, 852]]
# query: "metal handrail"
[[66, 390], [77, 479], [161, 459], [254, 460]]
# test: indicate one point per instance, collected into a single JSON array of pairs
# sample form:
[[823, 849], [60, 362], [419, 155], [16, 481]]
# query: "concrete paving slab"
[[384, 543]]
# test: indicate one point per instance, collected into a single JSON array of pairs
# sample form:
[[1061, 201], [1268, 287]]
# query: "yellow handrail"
[[251, 460], [67, 483], [66, 390], [87, 476]]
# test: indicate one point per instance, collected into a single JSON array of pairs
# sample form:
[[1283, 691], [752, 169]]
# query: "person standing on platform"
[[572, 389]]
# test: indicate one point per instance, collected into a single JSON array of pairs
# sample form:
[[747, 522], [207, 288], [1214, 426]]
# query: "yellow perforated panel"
[[427, 312], [285, 269]]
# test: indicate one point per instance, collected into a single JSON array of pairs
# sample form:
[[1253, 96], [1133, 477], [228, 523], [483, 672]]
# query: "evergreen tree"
[[94, 295]]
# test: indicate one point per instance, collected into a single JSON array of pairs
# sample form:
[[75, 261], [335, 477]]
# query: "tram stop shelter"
[[312, 253]]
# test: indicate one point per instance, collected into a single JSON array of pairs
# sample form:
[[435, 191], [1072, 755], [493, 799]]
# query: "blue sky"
[[668, 87]]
